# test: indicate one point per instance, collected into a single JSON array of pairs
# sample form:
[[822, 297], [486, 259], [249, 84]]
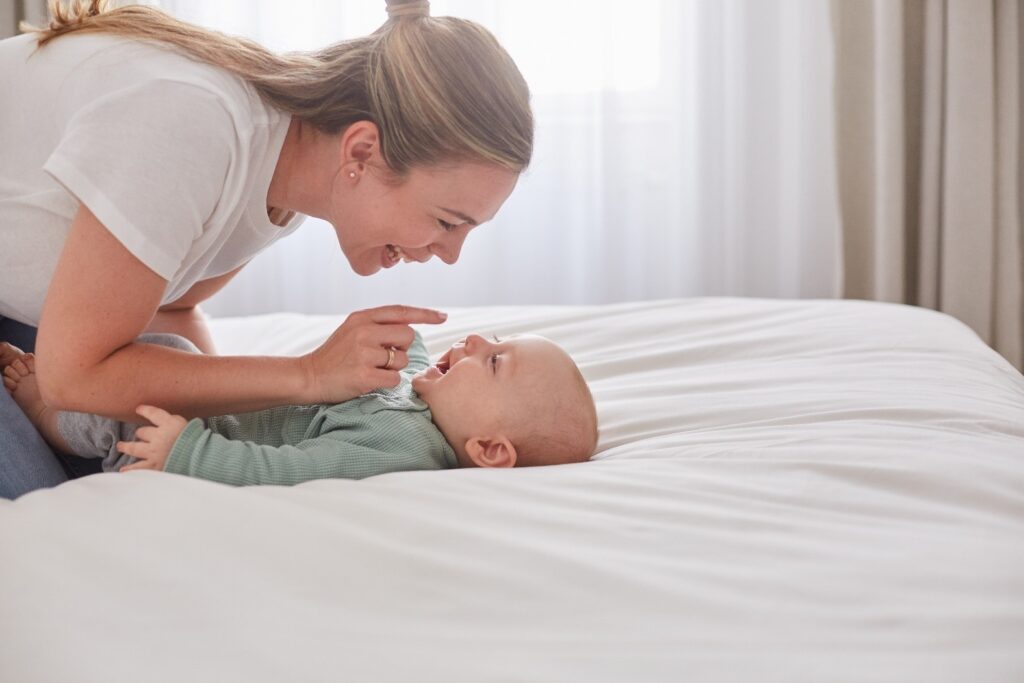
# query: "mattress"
[[783, 491]]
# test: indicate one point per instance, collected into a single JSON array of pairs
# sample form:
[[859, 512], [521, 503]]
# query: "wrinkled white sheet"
[[784, 491]]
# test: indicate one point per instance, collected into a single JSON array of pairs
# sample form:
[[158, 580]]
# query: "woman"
[[147, 160]]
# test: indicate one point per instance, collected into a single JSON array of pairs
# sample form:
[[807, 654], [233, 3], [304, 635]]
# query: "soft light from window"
[[584, 46], [562, 47]]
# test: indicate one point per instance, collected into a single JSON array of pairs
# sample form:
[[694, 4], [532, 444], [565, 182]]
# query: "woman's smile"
[[393, 254]]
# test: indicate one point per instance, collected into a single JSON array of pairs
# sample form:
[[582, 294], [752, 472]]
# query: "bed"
[[783, 491]]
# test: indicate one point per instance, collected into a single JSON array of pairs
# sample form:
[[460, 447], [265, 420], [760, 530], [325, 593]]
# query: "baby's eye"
[[445, 225], [494, 362]]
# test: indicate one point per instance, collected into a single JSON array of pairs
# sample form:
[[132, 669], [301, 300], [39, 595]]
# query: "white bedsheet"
[[784, 491]]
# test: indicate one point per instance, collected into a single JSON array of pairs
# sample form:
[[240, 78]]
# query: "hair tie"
[[418, 8]]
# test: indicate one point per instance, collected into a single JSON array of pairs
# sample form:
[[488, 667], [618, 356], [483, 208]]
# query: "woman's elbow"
[[57, 387]]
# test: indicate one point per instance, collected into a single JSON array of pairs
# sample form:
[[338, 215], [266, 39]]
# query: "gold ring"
[[391, 358]]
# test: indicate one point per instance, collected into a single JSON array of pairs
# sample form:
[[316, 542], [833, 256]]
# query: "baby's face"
[[478, 383]]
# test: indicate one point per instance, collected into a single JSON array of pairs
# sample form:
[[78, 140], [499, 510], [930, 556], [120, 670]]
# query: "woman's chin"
[[365, 267]]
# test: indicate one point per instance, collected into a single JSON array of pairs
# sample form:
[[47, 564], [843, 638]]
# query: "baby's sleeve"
[[200, 452], [418, 358], [150, 162]]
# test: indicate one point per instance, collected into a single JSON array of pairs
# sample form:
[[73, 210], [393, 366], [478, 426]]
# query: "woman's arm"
[[101, 298]]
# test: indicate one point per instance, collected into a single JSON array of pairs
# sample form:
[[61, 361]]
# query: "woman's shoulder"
[[94, 65]]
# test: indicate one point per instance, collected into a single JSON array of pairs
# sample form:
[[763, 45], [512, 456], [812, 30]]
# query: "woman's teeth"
[[395, 253]]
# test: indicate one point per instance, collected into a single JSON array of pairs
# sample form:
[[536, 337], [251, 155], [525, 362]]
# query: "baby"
[[515, 402]]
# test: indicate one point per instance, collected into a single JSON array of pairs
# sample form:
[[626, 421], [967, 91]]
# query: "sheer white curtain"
[[683, 148]]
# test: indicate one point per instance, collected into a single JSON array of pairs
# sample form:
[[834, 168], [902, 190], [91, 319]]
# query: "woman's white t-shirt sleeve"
[[150, 162]]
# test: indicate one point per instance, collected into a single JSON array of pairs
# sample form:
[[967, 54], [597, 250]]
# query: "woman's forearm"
[[101, 298], [187, 384]]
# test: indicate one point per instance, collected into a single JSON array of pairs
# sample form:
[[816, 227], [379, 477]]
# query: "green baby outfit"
[[386, 430]]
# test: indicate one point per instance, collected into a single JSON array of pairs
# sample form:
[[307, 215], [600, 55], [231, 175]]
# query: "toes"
[[30, 361], [19, 366], [8, 352], [10, 379]]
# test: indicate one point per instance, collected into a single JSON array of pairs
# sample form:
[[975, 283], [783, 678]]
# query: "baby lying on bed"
[[517, 402]]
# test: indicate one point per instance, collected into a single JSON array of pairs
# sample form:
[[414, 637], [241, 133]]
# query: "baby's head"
[[519, 401]]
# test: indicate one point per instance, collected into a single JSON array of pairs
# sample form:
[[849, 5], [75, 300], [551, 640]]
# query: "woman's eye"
[[495, 338], [448, 227]]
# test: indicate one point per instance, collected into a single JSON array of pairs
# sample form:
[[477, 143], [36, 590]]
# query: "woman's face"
[[429, 213]]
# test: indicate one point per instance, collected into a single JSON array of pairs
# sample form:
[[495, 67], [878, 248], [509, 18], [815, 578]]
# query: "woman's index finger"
[[406, 315]]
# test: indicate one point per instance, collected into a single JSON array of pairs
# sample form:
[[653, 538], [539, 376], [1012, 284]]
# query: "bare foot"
[[8, 353], [20, 381]]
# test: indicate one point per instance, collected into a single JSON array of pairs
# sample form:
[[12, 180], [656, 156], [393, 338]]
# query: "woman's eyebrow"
[[460, 215]]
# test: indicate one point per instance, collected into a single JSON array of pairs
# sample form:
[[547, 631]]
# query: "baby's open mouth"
[[442, 365]]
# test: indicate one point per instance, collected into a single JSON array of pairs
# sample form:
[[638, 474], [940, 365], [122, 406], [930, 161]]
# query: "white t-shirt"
[[172, 155]]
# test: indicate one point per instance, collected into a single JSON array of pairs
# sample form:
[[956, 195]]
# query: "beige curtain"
[[931, 162]]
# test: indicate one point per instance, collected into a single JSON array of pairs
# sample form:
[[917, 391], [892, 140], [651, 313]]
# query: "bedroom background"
[[792, 149]]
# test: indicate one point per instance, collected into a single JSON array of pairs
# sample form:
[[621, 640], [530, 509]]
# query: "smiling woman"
[[395, 138], [380, 219], [683, 148]]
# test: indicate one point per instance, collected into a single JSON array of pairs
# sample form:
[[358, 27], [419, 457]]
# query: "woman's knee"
[[26, 462]]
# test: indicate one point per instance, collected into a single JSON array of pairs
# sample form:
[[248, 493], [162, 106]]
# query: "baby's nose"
[[473, 343]]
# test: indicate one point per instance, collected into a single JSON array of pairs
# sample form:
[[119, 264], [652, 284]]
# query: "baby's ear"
[[496, 452]]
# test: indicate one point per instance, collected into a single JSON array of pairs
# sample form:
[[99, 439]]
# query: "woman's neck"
[[298, 181]]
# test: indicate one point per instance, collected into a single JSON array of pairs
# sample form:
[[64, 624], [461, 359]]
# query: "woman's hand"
[[153, 444], [352, 361]]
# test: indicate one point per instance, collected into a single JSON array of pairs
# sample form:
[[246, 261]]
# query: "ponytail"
[[439, 89]]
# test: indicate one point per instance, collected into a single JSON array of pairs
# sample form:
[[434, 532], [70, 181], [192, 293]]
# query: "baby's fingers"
[[158, 416], [145, 434], [155, 415], [136, 449]]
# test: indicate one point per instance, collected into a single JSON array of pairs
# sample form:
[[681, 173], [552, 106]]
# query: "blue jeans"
[[26, 462]]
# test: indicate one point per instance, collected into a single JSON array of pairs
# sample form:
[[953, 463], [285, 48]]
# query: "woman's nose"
[[448, 250]]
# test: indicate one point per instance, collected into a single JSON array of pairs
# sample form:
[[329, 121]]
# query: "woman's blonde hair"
[[439, 89]]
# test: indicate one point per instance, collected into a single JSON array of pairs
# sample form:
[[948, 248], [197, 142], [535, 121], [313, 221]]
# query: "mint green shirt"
[[386, 430]]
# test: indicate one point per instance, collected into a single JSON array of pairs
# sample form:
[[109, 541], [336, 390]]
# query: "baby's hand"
[[152, 444]]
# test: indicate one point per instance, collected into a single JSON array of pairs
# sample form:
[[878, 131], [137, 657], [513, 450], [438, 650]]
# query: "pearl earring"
[[352, 174]]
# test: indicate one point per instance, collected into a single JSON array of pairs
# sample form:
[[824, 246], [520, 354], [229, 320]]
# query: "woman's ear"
[[360, 143], [496, 452]]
